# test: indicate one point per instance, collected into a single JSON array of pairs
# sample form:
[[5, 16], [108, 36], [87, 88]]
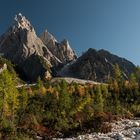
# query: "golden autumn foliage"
[[47, 108]]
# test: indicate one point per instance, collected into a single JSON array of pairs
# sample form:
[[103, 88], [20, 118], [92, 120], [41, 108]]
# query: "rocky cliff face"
[[97, 65], [21, 46], [20, 43], [61, 50]]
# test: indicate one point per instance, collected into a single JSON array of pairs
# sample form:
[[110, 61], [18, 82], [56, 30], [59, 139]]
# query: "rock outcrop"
[[61, 50], [97, 65]]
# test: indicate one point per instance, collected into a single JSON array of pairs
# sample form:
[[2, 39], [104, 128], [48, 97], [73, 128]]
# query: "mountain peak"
[[46, 37], [97, 65], [65, 42], [22, 47], [61, 50], [22, 22]]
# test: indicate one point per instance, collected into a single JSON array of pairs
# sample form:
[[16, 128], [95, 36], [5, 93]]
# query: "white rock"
[[130, 123], [79, 137], [39, 138], [136, 124], [118, 136], [119, 133]]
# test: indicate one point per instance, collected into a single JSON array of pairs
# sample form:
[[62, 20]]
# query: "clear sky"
[[113, 25]]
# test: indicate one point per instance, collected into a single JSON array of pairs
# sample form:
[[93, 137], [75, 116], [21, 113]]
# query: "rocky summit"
[[31, 56]]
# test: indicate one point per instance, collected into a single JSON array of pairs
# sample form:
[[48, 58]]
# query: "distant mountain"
[[31, 56], [97, 65]]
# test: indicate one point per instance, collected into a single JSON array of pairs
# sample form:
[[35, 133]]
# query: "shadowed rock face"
[[61, 50], [97, 65], [35, 66]]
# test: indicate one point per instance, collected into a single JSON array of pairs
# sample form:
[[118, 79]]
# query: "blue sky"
[[113, 25]]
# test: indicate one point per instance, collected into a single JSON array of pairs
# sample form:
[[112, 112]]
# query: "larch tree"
[[98, 100], [8, 95]]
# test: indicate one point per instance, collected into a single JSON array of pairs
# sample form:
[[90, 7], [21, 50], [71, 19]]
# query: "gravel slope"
[[122, 130]]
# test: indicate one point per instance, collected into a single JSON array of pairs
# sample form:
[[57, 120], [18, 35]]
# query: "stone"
[[39, 138], [3, 68], [119, 133], [118, 136], [138, 137], [136, 124], [79, 137], [48, 76]]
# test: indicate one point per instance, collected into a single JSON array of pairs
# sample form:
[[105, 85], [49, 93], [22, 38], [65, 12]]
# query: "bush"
[[105, 127]]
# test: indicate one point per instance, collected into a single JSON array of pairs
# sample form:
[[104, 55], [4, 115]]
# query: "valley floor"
[[124, 129]]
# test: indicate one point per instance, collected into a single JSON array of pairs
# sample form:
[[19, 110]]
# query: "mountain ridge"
[[43, 56]]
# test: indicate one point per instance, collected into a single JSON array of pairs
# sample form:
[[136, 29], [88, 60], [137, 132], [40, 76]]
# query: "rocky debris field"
[[74, 80], [121, 130]]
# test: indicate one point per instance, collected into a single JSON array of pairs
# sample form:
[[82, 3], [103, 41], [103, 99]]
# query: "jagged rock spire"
[[61, 50], [23, 48], [22, 22], [46, 37]]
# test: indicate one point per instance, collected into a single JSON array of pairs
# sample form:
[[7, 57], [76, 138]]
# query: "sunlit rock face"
[[61, 50], [20, 43]]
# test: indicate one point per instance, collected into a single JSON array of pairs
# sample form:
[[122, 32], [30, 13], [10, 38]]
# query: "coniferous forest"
[[60, 109]]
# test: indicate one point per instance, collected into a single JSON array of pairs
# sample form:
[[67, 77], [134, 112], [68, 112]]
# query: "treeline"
[[60, 109]]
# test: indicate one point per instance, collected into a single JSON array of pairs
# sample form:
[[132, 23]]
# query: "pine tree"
[[134, 87], [104, 89], [64, 97], [8, 95], [40, 86], [22, 104], [117, 74], [137, 74], [133, 81], [98, 100], [8, 104]]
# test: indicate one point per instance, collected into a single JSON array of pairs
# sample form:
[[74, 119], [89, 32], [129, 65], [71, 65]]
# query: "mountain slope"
[[97, 65]]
